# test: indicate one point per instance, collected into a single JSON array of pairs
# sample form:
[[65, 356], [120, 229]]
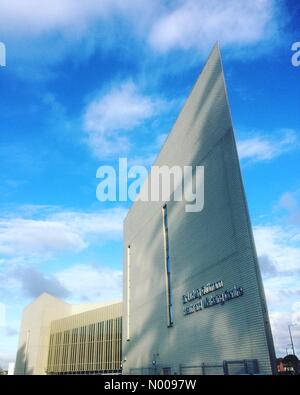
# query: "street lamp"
[[291, 337]]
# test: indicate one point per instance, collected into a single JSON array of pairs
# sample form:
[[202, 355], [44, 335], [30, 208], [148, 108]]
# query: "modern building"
[[11, 369], [60, 338], [193, 296]]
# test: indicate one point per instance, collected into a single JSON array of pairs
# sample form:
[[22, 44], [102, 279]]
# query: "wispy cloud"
[[78, 29], [290, 203], [63, 15], [280, 245], [33, 282], [92, 282], [262, 147], [77, 283], [67, 29], [122, 108], [197, 24], [278, 248], [278, 242], [23, 236], [110, 117], [57, 231], [279, 322], [283, 298]]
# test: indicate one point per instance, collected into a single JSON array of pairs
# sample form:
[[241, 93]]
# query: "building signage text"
[[204, 301]]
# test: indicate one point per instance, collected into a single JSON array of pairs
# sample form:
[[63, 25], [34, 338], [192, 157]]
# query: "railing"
[[235, 367], [145, 371], [228, 367]]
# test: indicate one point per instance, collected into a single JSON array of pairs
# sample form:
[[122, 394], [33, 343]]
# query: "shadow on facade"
[[213, 328], [21, 367]]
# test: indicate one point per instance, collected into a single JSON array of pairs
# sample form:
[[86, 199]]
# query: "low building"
[[11, 368], [60, 338], [87, 343]]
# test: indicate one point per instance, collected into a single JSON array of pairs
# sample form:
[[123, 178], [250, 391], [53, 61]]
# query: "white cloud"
[[122, 108], [197, 24], [33, 282], [290, 202], [168, 25], [58, 231], [92, 283], [30, 18], [278, 248], [282, 290], [264, 148], [267, 266], [279, 255], [40, 37], [279, 322], [280, 244], [25, 236], [279, 262], [105, 223], [110, 117]]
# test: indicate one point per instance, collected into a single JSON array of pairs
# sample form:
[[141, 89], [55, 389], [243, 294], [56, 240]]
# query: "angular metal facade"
[[212, 246]]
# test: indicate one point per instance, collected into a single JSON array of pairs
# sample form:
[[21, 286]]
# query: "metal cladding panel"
[[212, 245], [87, 343], [87, 318]]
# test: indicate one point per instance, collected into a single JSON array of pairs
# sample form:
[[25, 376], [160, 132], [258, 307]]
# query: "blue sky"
[[89, 82]]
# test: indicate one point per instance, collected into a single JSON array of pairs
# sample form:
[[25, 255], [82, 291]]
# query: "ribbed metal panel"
[[211, 245], [87, 343]]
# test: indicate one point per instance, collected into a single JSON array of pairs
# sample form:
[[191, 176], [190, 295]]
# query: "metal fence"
[[236, 367], [203, 369], [144, 371], [233, 367]]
